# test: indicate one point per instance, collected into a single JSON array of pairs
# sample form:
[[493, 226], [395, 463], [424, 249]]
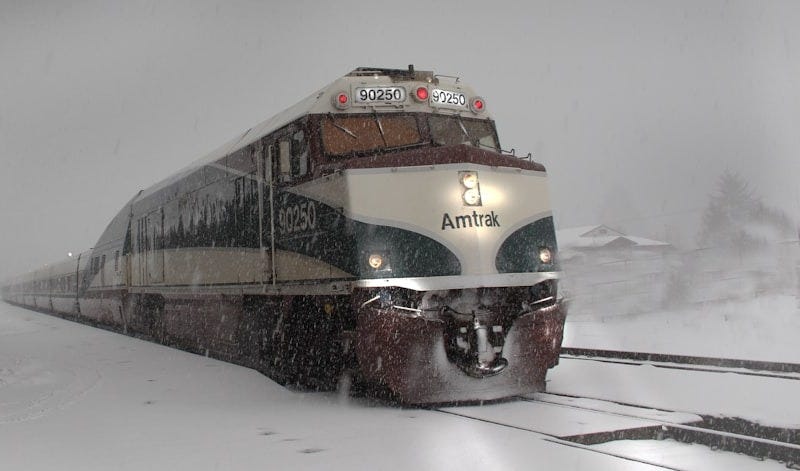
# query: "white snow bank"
[[768, 401], [764, 328]]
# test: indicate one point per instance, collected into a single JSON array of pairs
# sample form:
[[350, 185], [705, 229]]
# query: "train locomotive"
[[375, 228]]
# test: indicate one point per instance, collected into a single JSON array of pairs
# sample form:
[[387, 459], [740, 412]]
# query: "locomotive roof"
[[321, 102]]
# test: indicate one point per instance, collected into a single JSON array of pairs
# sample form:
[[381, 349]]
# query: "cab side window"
[[299, 154], [285, 159], [291, 147]]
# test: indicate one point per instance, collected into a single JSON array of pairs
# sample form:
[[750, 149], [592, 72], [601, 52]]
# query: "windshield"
[[354, 134], [365, 133], [454, 130]]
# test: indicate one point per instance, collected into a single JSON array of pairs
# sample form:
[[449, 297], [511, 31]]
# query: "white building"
[[609, 273], [601, 237]]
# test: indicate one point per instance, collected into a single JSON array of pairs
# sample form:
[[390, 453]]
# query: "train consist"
[[374, 228]]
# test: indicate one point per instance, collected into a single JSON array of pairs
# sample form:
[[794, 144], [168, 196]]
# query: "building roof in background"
[[599, 236]]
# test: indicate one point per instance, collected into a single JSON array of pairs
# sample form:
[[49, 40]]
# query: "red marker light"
[[341, 100], [422, 94], [477, 105]]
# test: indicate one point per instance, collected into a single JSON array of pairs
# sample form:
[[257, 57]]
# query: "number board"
[[380, 95], [448, 98], [297, 217]]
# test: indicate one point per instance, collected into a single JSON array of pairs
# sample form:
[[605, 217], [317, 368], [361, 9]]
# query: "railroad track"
[[725, 433], [766, 369], [552, 438], [731, 435], [722, 434]]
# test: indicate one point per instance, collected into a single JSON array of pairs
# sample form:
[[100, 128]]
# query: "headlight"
[[472, 197], [471, 188], [375, 261], [469, 179], [545, 255]]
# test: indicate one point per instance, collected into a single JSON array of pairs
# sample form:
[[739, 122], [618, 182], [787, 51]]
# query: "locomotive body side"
[[386, 235]]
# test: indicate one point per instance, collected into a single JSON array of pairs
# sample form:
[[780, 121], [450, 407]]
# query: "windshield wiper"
[[341, 128], [461, 124], [380, 129]]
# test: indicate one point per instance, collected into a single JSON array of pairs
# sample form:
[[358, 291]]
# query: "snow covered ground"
[[76, 397], [767, 401], [763, 328]]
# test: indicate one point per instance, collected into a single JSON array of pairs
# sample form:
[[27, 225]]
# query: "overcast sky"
[[635, 107]]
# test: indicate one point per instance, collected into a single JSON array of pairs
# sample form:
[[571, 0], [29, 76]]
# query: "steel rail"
[[548, 437], [752, 365], [758, 447]]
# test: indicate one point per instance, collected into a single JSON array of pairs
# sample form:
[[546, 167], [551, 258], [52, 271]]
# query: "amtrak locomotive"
[[374, 228]]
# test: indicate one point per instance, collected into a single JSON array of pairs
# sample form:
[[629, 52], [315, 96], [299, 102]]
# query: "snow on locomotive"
[[375, 227]]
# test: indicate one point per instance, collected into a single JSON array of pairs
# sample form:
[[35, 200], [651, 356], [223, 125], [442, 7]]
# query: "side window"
[[269, 173], [238, 193], [285, 159], [299, 154], [289, 153], [141, 235]]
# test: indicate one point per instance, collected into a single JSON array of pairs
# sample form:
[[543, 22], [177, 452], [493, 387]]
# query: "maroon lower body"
[[409, 355], [435, 356]]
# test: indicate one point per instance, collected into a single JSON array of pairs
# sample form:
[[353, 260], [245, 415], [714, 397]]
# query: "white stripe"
[[460, 281]]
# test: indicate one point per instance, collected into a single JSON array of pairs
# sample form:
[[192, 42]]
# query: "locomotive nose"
[[446, 220]]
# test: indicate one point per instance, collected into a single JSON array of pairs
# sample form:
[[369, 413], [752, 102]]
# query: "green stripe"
[[520, 252]]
